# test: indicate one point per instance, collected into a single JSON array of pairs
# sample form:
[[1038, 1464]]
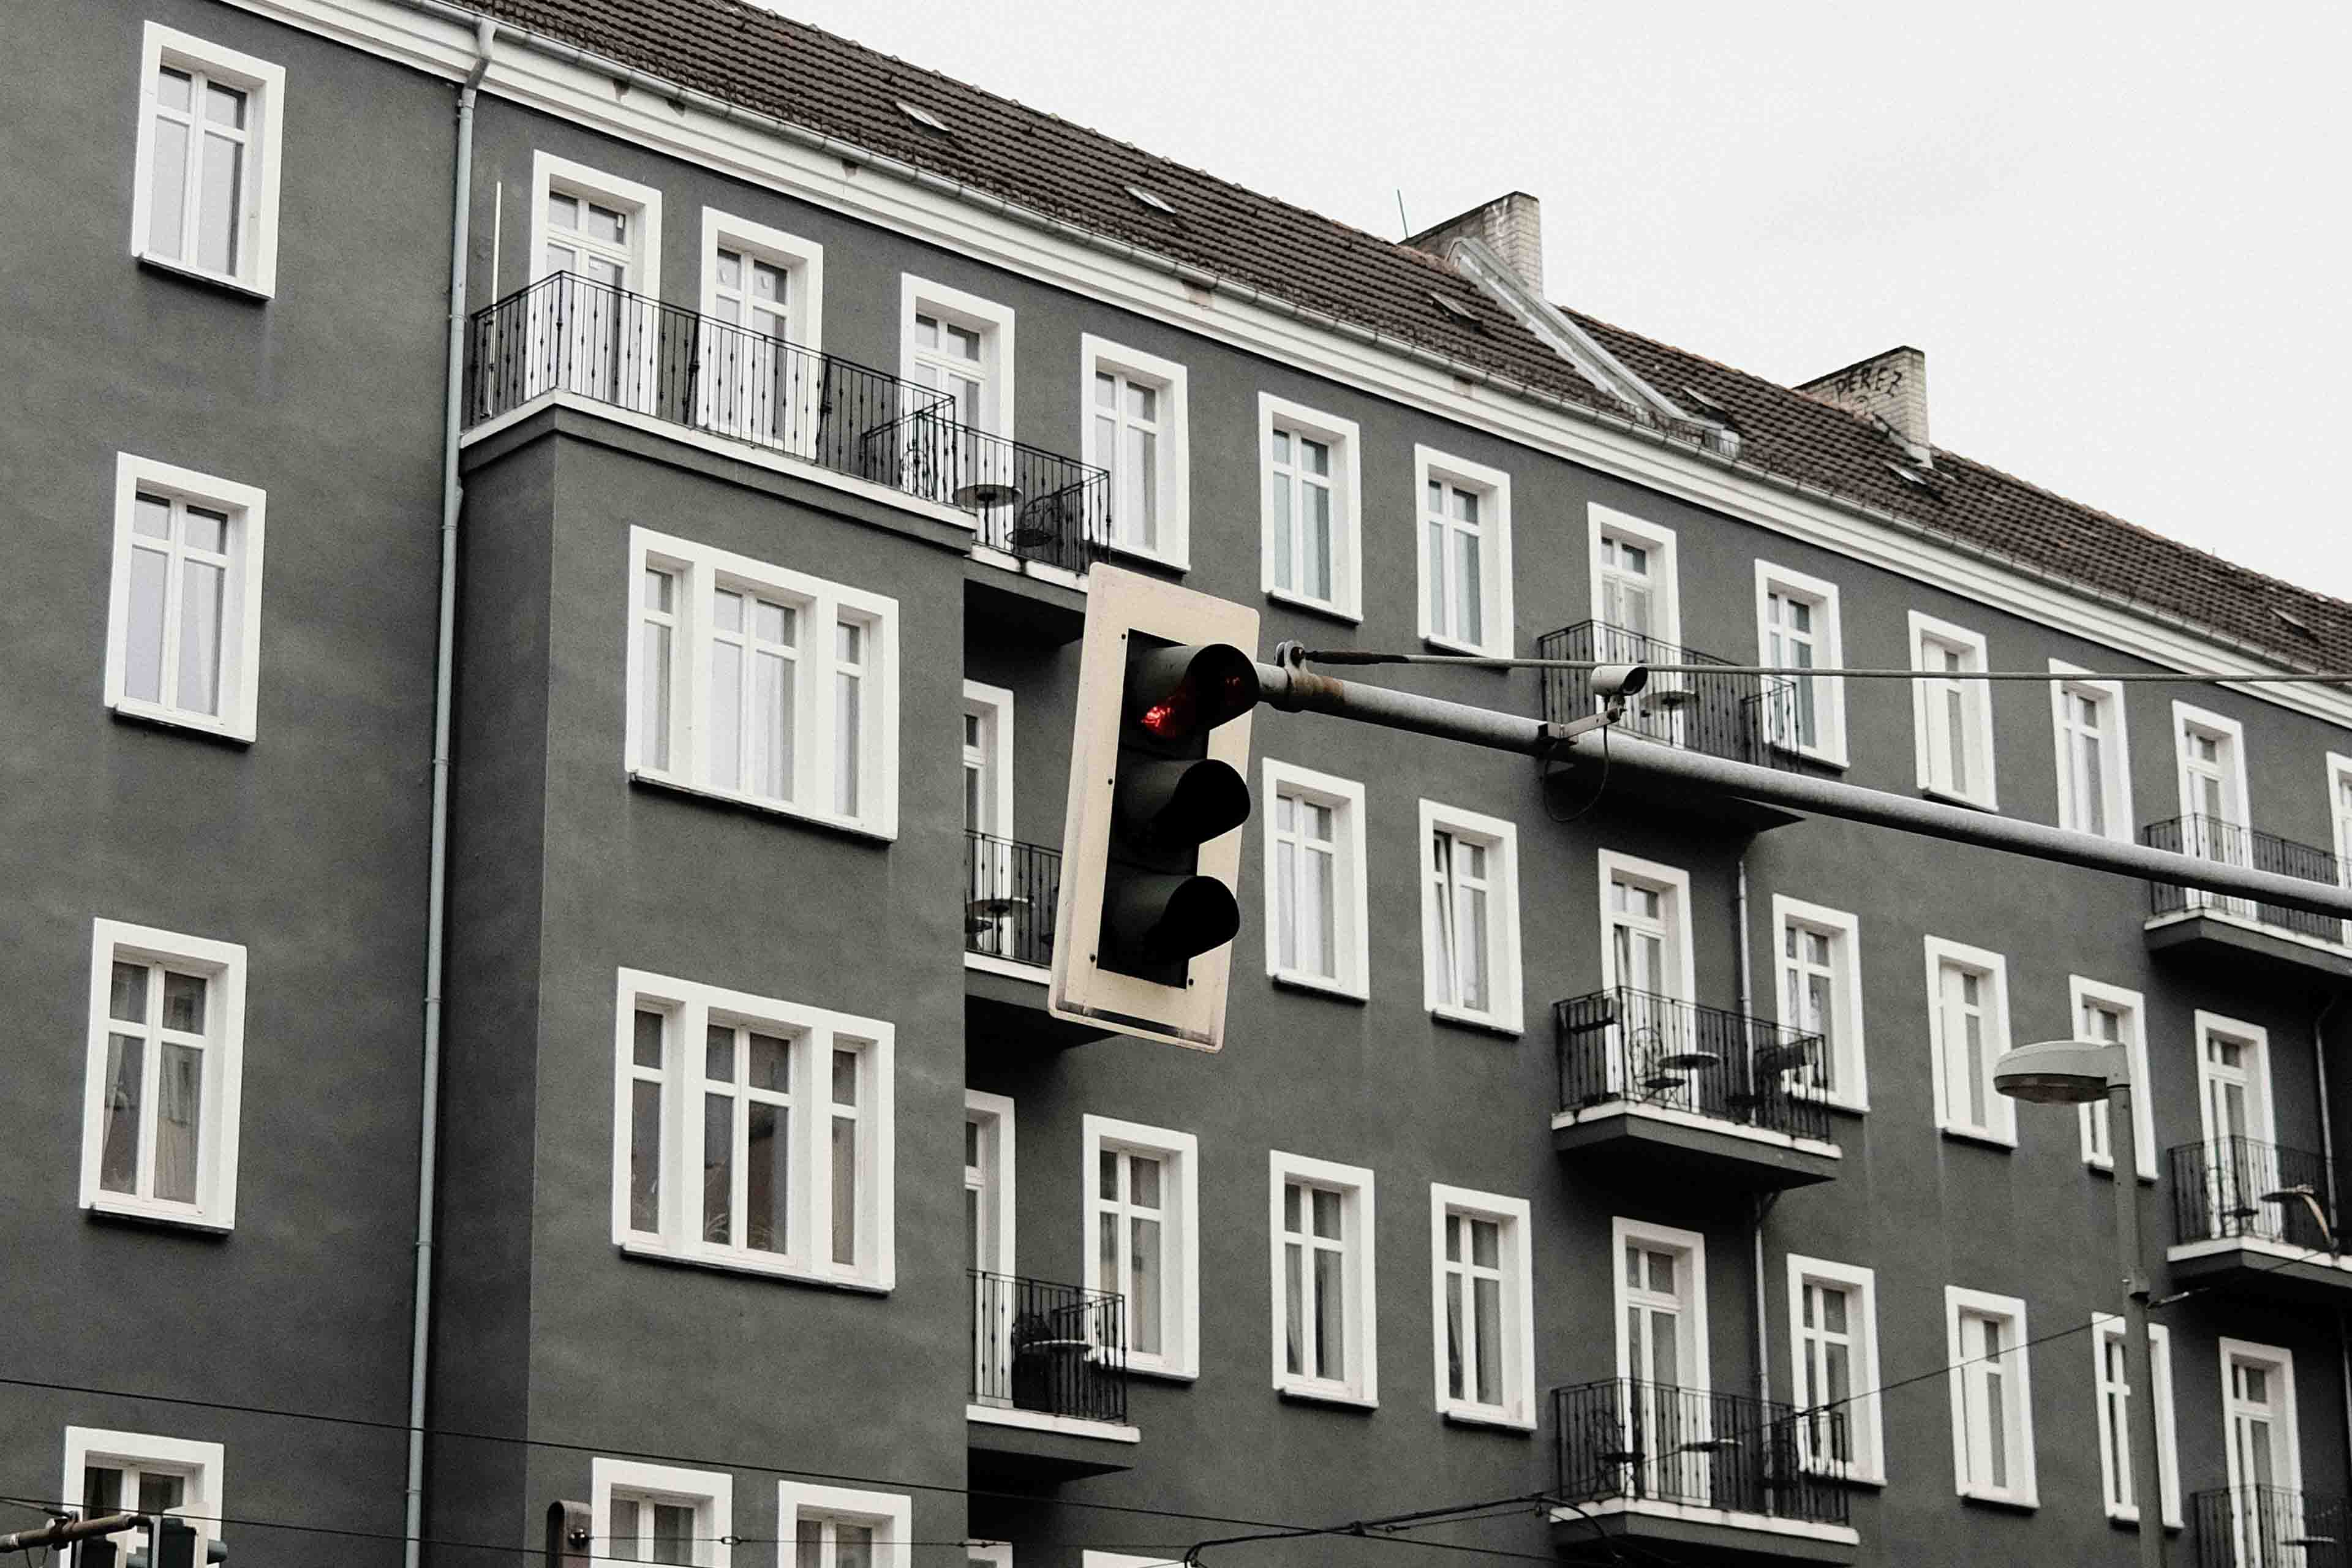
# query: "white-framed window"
[[762, 685], [2087, 731], [1143, 1198], [1482, 1306], [1659, 1276], [1645, 926], [165, 1068], [752, 1133], [1993, 1403], [1326, 1339], [1834, 1354], [1466, 553], [761, 289], [2264, 1446], [1312, 494], [1137, 427], [595, 332], [988, 1182], [837, 1527], [992, 1554], [1798, 627], [1967, 1032], [2210, 759], [1470, 916], [2112, 1375], [1315, 903], [1635, 588], [1819, 960], [660, 1513], [1951, 719], [2115, 1015], [136, 1472], [987, 732], [2240, 1161], [2339, 810], [204, 200], [184, 601], [959, 343]]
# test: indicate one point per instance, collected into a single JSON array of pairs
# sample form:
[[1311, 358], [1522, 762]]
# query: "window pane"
[[1294, 1299], [222, 203], [179, 1113], [1316, 566], [1488, 1297], [1486, 1244], [142, 672], [1454, 1349], [207, 530], [1331, 1353], [674, 1533], [654, 717], [772, 726], [1143, 1286], [118, 1160], [201, 591], [1326, 1213], [767, 1178], [725, 708], [807, 1544], [845, 1189], [1278, 520], [127, 996], [853, 1546], [848, 726], [167, 197], [1143, 1181], [718, 1168], [644, 1155]]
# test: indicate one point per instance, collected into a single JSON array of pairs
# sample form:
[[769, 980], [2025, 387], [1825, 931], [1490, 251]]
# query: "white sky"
[[2120, 239]]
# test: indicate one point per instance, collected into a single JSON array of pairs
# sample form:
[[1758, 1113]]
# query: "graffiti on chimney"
[[1866, 381]]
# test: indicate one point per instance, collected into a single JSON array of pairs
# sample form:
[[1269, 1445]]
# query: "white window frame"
[[1666, 577], [2282, 1363], [1101, 356], [2109, 694], [240, 676], [816, 1032], [1675, 884], [222, 963], [995, 1553], [550, 174], [994, 705], [2081, 992], [803, 258], [1844, 932], [1359, 1278], [2186, 717], [1179, 1233], [1977, 707], [993, 321], [2002, 1130], [2017, 1365], [1346, 441], [2339, 816], [1515, 1254], [822, 606], [890, 1515], [1829, 653], [710, 1493], [996, 1113], [794, 426], [264, 85], [1866, 1412], [1497, 627], [202, 1463], [1501, 840], [2116, 1468], [1350, 940], [1692, 1245]]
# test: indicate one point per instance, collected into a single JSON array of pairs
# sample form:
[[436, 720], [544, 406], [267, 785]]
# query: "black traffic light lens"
[[1165, 920], [1168, 805]]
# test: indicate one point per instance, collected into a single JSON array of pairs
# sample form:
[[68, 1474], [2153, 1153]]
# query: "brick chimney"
[[1511, 225], [1892, 385]]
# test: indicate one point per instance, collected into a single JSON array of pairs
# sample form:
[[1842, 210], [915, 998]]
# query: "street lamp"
[[2085, 1072]]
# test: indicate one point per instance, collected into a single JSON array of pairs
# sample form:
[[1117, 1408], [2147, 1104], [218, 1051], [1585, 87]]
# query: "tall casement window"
[[2265, 1451], [1992, 1407], [1633, 581], [1136, 427], [1143, 1242], [1820, 953], [659, 1514], [2086, 719], [1661, 1355], [594, 329], [752, 1133], [2339, 807], [164, 1069], [1315, 933], [1470, 916], [1325, 1338], [988, 1178], [762, 685], [1833, 1349], [2210, 752], [2112, 1014], [1645, 933], [1797, 627], [1482, 1306], [133, 1472], [1951, 717], [960, 344], [205, 201], [835, 1527], [1310, 487], [184, 605], [1967, 1018], [2111, 1370], [2240, 1159], [1466, 553], [761, 289]]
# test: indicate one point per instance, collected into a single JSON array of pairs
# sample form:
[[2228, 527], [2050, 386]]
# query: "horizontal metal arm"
[[1806, 672], [63, 1531]]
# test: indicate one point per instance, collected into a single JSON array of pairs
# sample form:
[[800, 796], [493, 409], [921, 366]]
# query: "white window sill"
[[1930, 791], [221, 280], [1849, 1476], [173, 718], [1322, 985], [1820, 756], [1325, 1394], [1459, 645], [851, 825], [1318, 606], [1480, 1416], [1165, 1374], [182, 1216], [1485, 1023], [2023, 1502], [1153, 557], [1851, 1107], [2130, 1517], [736, 1263], [1984, 1139], [2108, 1168]]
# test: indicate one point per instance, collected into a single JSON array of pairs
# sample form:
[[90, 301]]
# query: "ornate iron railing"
[[1626, 1045], [1747, 717], [1056, 1349], [1623, 1438], [2232, 844], [2271, 1527], [1009, 892], [2242, 1188]]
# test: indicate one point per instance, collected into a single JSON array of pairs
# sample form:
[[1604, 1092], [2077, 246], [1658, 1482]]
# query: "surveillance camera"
[[1611, 682]]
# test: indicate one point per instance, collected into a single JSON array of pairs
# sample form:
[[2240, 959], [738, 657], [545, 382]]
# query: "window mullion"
[[151, 1078]]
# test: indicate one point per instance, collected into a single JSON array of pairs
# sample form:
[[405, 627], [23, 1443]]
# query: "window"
[[2265, 1448], [120, 1472], [1645, 944], [833, 1527], [2112, 1013], [1324, 1346], [2111, 1371], [1660, 1276], [1992, 1407], [1833, 1349], [1634, 584], [762, 686], [761, 289], [1144, 1189], [2240, 1161], [1466, 553], [184, 605], [1951, 719], [165, 1065], [1820, 993], [593, 332], [2210, 752], [1311, 493], [752, 1133], [988, 1172], [1482, 1307], [655, 1513], [992, 1554], [1136, 427], [960, 344], [1315, 928], [1968, 1031], [1470, 916], [2094, 766], [2339, 807], [205, 200], [1797, 627]]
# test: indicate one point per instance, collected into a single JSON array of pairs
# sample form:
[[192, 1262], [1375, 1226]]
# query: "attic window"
[[1702, 400], [1458, 310], [1912, 476], [1151, 199], [2292, 620], [924, 118]]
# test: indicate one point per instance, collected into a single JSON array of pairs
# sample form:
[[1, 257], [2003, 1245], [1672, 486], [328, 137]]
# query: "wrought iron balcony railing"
[[568, 333], [1054, 1350], [1636, 1046], [1623, 1438], [2242, 1188], [1747, 717], [2271, 1527], [1009, 892], [2232, 844]]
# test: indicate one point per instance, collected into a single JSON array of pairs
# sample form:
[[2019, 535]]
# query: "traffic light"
[[171, 1543], [1150, 850]]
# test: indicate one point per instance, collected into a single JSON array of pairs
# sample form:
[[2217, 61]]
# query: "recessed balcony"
[[1048, 1400], [1010, 891], [2256, 1218], [2243, 939], [2271, 1527]]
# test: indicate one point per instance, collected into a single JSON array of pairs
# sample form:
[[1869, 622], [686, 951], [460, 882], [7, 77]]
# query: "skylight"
[[2297, 622], [924, 118], [1911, 477], [1457, 309], [1151, 199]]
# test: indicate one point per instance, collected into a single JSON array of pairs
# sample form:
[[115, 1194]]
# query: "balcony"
[[1697, 1476], [2241, 938], [1010, 891], [1048, 1398], [1662, 1089], [2254, 1217], [2271, 1527]]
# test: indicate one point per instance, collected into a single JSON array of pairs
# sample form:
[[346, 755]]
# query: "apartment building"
[[1632, 1151]]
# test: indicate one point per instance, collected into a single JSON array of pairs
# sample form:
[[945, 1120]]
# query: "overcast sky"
[[2119, 237]]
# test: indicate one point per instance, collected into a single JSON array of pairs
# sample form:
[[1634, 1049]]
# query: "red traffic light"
[[1177, 692]]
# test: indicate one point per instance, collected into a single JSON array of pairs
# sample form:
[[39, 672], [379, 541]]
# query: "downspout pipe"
[[2327, 1165], [1763, 1205], [436, 902]]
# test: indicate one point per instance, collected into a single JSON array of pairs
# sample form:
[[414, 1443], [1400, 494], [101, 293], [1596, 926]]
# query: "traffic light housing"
[[1159, 790], [173, 1543]]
